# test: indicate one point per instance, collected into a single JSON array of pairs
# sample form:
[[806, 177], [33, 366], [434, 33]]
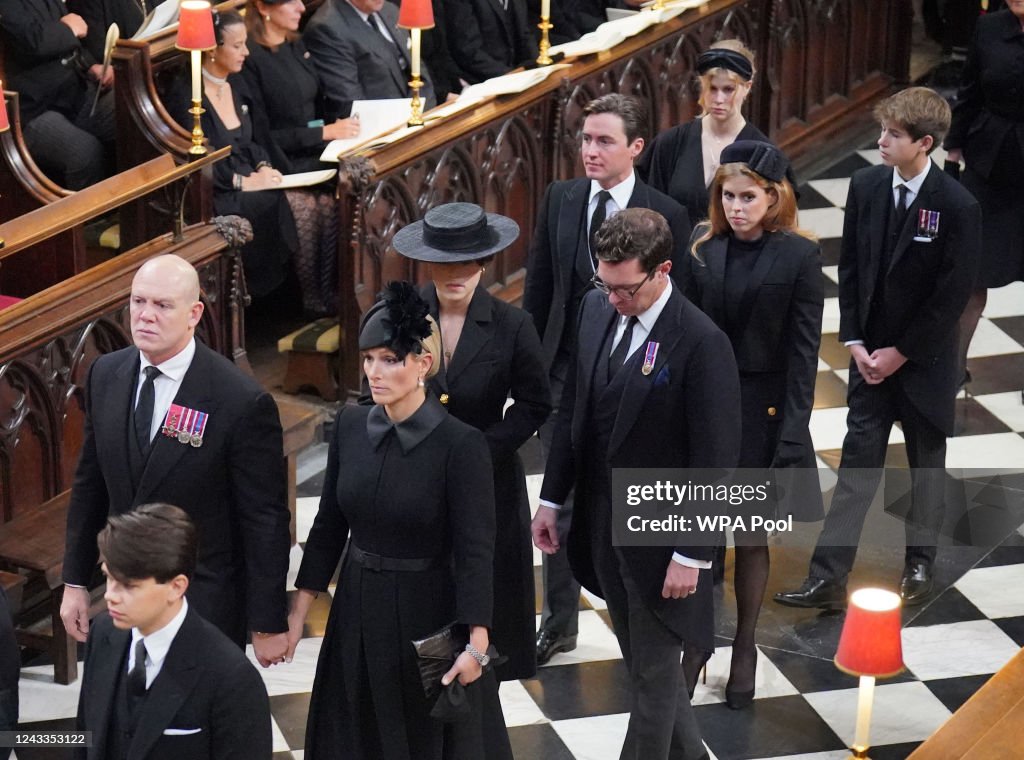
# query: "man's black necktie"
[[137, 675], [378, 26], [597, 219], [621, 351], [144, 409], [901, 206]]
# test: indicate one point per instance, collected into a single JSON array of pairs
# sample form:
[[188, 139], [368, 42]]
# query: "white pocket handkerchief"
[[181, 731]]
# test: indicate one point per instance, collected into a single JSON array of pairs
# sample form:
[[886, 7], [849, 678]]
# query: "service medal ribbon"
[[928, 223], [649, 357], [172, 420], [198, 429], [183, 430]]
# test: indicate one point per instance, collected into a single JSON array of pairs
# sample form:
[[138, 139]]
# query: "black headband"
[[723, 58], [760, 157]]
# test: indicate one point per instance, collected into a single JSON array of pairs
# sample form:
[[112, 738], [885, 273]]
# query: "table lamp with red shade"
[[195, 34], [870, 647], [416, 15]]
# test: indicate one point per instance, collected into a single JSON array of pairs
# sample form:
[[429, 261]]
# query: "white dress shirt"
[[166, 384], [621, 194], [157, 644]]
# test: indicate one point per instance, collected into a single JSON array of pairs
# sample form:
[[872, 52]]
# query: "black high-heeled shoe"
[[694, 665], [735, 698]]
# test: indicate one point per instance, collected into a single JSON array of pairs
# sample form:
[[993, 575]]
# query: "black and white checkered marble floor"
[[576, 708]]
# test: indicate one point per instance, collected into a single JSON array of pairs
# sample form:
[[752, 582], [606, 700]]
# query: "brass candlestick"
[[416, 117], [544, 59], [197, 110], [658, 5]]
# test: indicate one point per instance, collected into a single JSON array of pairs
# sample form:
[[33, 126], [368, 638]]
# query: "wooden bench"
[[33, 543], [988, 725], [312, 358]]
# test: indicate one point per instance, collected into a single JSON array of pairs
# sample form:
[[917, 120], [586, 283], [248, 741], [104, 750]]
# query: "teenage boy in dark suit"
[[910, 242], [160, 681]]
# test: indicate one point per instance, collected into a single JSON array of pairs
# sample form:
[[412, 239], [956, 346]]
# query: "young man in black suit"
[[654, 384], [160, 681], [561, 264], [168, 419], [910, 245]]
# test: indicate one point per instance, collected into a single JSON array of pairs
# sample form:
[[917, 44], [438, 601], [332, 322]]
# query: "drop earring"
[[421, 383]]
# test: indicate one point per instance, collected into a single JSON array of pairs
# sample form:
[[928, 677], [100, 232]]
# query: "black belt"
[[377, 563]]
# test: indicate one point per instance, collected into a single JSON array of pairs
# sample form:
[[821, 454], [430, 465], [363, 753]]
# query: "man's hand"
[[105, 79], [74, 611], [887, 361], [680, 581], [545, 530], [270, 649], [866, 365], [76, 24]]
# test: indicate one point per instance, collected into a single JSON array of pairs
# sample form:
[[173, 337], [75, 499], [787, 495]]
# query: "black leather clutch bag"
[[436, 654]]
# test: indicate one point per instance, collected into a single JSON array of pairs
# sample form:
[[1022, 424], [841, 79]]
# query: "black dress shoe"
[[916, 584], [550, 643], [815, 592]]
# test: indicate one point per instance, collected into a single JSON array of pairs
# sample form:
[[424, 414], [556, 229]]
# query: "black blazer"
[[775, 344], [927, 284], [552, 285], [234, 486], [674, 164], [100, 14], [35, 43], [284, 87], [354, 61], [685, 413], [205, 683], [491, 41], [990, 103]]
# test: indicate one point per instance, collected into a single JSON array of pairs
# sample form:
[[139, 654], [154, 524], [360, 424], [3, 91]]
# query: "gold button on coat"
[[772, 411], [444, 399]]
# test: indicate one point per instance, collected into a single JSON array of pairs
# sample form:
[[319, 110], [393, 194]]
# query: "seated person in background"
[[494, 37], [100, 14], [581, 17], [437, 55], [286, 86], [56, 78], [361, 54], [282, 77], [229, 120], [160, 681]]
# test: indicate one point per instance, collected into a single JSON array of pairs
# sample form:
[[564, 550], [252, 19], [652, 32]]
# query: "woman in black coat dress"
[[229, 119], [490, 352], [987, 133], [681, 162], [289, 95], [407, 495], [759, 278]]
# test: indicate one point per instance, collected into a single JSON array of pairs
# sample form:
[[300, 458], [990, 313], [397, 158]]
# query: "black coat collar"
[[412, 431]]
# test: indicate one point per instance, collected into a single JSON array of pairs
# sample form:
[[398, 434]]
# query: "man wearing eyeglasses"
[[654, 385], [561, 265]]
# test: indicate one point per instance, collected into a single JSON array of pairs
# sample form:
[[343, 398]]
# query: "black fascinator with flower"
[[398, 320]]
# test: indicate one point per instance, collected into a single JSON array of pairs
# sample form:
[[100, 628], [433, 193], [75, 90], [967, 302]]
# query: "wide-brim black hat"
[[454, 233]]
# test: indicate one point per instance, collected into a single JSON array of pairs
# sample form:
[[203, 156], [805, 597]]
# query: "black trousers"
[[873, 410], [561, 610], [662, 725]]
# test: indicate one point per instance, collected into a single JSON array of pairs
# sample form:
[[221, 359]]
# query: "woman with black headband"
[[408, 496], [759, 278], [682, 161]]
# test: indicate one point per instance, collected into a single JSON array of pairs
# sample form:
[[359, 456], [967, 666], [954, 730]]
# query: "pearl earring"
[[421, 383], [267, 17]]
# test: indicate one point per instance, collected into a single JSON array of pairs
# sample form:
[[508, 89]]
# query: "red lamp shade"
[[416, 14], [870, 643], [195, 26]]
